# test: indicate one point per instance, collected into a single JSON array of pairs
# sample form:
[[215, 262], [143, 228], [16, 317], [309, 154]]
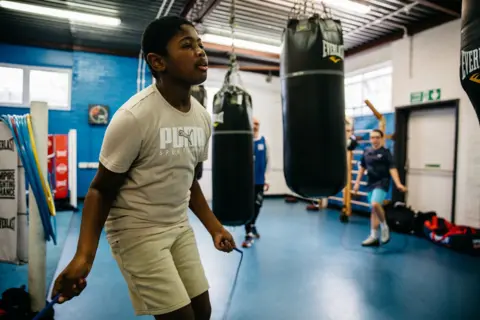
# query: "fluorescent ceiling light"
[[348, 5], [59, 13], [239, 43], [243, 36]]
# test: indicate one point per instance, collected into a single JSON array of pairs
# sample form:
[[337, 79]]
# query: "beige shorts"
[[163, 271]]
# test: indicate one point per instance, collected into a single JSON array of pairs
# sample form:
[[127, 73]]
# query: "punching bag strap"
[[232, 32], [301, 9], [233, 67]]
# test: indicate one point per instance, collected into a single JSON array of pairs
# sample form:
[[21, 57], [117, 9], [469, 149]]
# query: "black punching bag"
[[199, 93], [470, 63], [232, 156], [312, 75]]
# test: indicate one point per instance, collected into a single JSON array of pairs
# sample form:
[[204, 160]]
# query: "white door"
[[430, 159]]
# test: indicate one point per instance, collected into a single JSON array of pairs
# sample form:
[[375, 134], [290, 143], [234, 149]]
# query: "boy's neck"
[[176, 93]]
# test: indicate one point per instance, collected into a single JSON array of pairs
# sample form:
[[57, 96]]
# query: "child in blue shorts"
[[378, 162]]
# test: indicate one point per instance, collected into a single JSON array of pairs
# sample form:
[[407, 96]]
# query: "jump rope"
[[377, 251], [50, 305]]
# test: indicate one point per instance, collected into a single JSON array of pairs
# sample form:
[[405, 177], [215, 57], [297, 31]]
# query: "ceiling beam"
[[412, 30], [376, 43], [437, 7], [219, 57], [188, 6], [205, 10]]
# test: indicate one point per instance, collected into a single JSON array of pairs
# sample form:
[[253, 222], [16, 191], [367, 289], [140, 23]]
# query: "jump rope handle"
[[47, 307]]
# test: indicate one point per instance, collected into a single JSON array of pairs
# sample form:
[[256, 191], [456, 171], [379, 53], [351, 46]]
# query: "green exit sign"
[[425, 96]]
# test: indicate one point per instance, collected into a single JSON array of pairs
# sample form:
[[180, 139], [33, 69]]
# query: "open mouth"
[[203, 66]]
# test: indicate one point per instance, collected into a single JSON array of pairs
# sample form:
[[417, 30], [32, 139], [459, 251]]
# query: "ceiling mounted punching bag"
[[232, 155], [313, 99], [470, 54]]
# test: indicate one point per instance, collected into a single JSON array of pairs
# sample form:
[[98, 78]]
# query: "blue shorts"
[[377, 195]]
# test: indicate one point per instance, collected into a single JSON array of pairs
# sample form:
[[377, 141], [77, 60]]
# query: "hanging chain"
[[193, 15], [233, 57], [312, 6], [301, 9], [233, 68], [294, 11], [327, 12]]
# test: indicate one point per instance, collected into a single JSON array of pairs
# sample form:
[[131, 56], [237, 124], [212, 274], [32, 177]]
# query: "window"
[[374, 85], [11, 83], [19, 85]]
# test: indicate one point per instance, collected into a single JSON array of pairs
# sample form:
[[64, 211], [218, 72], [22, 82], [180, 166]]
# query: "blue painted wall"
[[96, 78], [369, 123]]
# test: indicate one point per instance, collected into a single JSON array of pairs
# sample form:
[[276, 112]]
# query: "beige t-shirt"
[[159, 146]]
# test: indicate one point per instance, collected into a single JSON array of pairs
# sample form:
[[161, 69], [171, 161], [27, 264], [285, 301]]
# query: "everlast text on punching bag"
[[199, 93], [470, 55], [312, 73], [232, 155]]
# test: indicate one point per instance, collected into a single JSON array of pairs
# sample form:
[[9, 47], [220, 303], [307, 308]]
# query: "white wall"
[[267, 108], [431, 60]]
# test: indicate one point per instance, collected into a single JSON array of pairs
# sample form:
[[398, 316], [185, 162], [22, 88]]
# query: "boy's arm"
[[98, 201], [361, 170], [120, 148], [223, 240], [393, 170], [395, 177], [198, 204]]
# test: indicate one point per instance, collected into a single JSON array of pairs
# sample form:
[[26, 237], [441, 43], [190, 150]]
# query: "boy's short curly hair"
[[158, 33]]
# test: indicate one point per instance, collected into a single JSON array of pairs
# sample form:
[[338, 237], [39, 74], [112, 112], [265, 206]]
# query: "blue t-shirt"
[[378, 163], [260, 160]]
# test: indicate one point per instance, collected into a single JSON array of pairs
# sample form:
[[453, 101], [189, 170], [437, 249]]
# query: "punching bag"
[[199, 93], [232, 155], [470, 55], [313, 100]]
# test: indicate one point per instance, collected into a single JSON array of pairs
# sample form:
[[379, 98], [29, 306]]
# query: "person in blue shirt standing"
[[378, 162], [260, 166]]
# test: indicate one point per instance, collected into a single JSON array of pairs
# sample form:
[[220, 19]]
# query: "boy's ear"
[[156, 62]]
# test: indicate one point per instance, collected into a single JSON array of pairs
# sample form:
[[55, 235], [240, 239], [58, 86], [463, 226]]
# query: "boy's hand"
[[356, 187], [402, 188], [223, 240], [72, 280]]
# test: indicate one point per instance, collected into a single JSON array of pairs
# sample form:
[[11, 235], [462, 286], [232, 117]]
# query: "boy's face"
[[376, 139], [186, 60]]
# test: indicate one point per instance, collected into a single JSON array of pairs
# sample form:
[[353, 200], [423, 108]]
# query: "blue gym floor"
[[307, 266]]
